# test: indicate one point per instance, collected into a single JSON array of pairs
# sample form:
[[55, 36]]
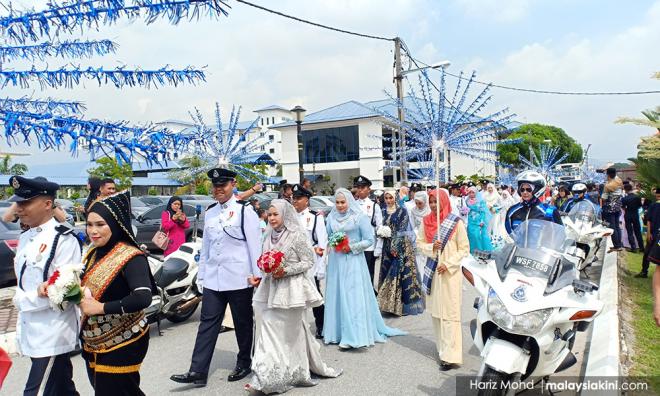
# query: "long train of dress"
[[285, 351]]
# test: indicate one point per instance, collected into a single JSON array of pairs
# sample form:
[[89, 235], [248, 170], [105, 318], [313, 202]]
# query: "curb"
[[603, 357]]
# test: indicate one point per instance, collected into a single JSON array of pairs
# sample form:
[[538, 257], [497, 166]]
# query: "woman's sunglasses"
[[526, 189]]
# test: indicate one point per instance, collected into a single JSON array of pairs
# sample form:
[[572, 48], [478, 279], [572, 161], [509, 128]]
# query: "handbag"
[[161, 239]]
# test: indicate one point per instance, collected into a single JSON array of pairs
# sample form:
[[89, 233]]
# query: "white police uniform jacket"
[[372, 210], [42, 331], [307, 220], [229, 257]]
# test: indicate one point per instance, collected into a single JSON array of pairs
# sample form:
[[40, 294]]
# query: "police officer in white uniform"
[[44, 334], [372, 210], [317, 234], [228, 268]]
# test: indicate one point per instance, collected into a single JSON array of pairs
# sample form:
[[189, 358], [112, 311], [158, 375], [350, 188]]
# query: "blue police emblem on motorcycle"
[[197, 258], [519, 294]]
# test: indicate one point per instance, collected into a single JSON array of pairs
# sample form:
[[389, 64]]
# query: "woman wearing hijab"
[[492, 198], [94, 187], [352, 318], [285, 348], [399, 290], [496, 227], [417, 214], [117, 284], [477, 222], [444, 241], [174, 223], [562, 198]]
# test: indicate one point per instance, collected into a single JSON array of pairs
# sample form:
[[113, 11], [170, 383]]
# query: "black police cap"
[[300, 191], [361, 181], [25, 188], [221, 175]]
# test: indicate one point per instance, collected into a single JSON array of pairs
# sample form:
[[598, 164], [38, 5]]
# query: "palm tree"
[[7, 168], [652, 115]]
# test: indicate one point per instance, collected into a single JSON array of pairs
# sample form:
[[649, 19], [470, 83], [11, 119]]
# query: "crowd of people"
[[269, 266]]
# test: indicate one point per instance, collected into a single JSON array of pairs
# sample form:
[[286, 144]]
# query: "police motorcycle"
[[175, 276], [531, 306], [582, 226]]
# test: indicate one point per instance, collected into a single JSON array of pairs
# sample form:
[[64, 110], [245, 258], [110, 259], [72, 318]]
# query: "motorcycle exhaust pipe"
[[187, 304]]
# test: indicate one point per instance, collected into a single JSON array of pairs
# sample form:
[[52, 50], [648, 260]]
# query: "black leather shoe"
[[448, 366], [642, 275], [319, 335], [190, 377], [238, 374]]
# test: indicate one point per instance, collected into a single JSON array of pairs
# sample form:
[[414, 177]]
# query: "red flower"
[[343, 246], [53, 277], [269, 261]]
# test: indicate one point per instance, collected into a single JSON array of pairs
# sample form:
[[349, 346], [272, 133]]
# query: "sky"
[[254, 59]]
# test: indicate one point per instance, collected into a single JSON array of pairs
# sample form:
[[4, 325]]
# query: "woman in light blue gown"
[[477, 224], [352, 317]]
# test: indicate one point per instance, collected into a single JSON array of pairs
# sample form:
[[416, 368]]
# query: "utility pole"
[[400, 136]]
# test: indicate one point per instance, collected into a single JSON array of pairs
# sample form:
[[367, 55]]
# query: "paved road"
[[405, 365]]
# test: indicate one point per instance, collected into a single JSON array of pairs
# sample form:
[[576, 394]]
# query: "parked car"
[[69, 207], [9, 234], [149, 222], [328, 200], [138, 207], [5, 204], [153, 200]]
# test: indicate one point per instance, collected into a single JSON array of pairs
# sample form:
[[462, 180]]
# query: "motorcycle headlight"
[[527, 324]]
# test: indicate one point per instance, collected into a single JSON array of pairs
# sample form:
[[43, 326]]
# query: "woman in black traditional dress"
[[117, 284]]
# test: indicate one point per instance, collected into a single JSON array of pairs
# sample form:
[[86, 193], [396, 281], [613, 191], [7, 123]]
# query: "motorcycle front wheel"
[[176, 316], [494, 383]]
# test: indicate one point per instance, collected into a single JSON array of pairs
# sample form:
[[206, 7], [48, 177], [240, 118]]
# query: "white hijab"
[[282, 238], [491, 198], [418, 214]]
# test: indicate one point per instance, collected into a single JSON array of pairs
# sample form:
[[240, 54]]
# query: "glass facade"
[[331, 145]]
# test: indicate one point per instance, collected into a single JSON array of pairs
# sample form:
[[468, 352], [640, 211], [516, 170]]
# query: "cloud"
[[498, 10], [621, 61]]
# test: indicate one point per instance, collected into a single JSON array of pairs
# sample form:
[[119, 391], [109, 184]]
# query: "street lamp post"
[[300, 116], [398, 136]]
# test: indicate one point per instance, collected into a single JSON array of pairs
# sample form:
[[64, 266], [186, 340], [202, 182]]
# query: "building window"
[[272, 151], [331, 145], [273, 120], [262, 121], [271, 137]]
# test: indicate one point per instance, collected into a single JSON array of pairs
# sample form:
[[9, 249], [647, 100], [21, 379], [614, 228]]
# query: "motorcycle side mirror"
[[581, 287], [482, 255]]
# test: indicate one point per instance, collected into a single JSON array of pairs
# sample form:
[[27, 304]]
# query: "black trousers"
[[613, 220], [645, 259], [371, 264], [318, 311], [634, 230], [57, 371], [214, 304]]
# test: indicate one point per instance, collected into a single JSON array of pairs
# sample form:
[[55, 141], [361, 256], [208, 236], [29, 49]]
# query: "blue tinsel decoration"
[[545, 163], [119, 77], [64, 49], [66, 16], [42, 106], [223, 146], [453, 119], [116, 139]]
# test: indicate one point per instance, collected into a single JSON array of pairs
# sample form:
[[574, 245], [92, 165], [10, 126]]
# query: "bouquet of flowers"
[[339, 241], [270, 261], [64, 286], [384, 232], [464, 210]]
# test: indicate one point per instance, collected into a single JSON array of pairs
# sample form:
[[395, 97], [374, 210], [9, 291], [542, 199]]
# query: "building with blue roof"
[[346, 140]]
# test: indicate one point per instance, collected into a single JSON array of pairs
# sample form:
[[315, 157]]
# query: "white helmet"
[[533, 178], [579, 188]]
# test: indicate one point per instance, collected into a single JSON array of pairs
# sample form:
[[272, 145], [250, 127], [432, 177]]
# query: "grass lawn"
[[646, 358]]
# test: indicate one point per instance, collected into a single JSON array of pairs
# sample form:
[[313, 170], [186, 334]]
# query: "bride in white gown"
[[285, 349]]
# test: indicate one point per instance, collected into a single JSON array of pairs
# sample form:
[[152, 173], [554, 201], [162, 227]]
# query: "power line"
[[540, 91], [314, 23]]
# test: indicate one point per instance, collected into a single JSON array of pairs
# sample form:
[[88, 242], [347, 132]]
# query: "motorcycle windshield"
[[536, 252], [536, 234], [583, 211]]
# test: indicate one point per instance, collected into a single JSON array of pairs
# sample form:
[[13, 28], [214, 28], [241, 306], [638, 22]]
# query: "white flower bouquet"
[[384, 232], [64, 286]]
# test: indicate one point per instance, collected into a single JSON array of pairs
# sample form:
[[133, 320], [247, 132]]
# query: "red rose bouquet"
[[339, 241], [270, 261]]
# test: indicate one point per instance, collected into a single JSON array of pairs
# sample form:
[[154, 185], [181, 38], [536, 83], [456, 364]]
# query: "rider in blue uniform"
[[531, 186], [579, 191]]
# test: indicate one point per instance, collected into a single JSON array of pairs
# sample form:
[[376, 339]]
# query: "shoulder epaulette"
[[315, 213], [211, 206], [64, 230]]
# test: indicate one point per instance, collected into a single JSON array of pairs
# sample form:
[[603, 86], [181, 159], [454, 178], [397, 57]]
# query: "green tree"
[[109, 167], [152, 191], [245, 183], [7, 168], [536, 135], [199, 183]]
